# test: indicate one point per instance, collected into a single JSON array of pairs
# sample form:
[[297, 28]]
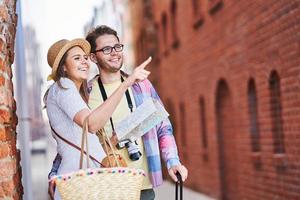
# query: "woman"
[[66, 102]]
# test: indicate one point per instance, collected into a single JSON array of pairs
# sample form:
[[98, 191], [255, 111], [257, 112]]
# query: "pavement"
[[40, 170]]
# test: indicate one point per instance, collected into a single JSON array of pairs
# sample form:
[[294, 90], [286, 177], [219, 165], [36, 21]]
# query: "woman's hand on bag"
[[51, 189], [181, 170], [139, 73]]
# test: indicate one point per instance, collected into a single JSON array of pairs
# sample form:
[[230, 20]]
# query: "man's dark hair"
[[93, 34]]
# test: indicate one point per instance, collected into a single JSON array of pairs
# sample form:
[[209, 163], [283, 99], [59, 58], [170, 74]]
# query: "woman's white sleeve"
[[70, 101]]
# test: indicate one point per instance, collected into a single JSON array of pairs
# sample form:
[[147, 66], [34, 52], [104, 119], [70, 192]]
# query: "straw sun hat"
[[59, 48]]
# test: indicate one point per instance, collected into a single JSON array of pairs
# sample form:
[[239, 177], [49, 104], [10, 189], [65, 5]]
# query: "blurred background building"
[[227, 71], [120, 20], [34, 83]]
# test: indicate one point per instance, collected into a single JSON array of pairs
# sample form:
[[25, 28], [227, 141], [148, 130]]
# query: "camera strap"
[[104, 97]]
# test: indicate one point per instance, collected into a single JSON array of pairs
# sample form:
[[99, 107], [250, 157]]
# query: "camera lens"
[[133, 151], [135, 156]]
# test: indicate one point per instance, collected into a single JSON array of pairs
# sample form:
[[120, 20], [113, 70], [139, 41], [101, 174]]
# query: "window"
[[144, 45], [203, 122], [164, 23], [197, 14], [226, 141], [195, 4], [141, 44], [173, 8], [254, 128], [182, 124], [203, 127], [215, 5], [156, 53], [275, 108], [139, 48]]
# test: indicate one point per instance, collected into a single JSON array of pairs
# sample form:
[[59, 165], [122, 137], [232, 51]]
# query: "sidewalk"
[[41, 165], [40, 170], [167, 192]]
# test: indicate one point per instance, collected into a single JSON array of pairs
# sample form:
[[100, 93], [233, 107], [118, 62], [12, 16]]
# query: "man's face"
[[109, 62]]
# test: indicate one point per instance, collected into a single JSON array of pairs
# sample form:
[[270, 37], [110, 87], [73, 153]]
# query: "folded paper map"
[[141, 120]]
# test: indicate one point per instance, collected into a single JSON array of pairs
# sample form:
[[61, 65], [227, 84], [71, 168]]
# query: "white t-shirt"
[[62, 106]]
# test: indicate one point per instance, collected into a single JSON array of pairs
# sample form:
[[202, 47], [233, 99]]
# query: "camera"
[[132, 147]]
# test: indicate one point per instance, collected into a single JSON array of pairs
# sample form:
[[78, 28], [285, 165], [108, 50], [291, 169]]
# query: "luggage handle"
[[180, 183]]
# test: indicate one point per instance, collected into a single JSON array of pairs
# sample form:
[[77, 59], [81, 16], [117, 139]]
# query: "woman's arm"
[[99, 116]]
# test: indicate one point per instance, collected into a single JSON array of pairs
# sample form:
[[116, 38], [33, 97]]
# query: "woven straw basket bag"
[[112, 183]]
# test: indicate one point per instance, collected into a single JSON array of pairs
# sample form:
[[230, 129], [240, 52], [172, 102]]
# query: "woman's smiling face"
[[77, 65]]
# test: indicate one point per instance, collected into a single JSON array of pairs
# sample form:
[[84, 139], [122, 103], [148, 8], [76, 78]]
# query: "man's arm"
[[164, 130], [167, 142]]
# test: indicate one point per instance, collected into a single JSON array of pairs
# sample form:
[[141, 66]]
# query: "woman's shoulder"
[[66, 83], [61, 87], [63, 84]]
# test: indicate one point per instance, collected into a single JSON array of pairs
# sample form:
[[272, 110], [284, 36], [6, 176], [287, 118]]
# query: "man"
[[107, 54]]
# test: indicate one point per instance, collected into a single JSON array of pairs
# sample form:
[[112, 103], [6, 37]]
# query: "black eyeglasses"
[[108, 49]]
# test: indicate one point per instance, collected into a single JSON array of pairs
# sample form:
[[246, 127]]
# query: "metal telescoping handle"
[[180, 183]]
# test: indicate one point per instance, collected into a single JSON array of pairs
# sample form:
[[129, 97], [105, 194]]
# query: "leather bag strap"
[[75, 146], [108, 146], [84, 141]]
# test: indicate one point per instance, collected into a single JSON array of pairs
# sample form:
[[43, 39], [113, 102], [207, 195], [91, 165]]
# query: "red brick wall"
[[10, 173], [220, 47]]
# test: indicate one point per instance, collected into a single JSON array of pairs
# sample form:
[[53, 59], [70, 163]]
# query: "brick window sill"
[[280, 162], [256, 160], [205, 155]]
